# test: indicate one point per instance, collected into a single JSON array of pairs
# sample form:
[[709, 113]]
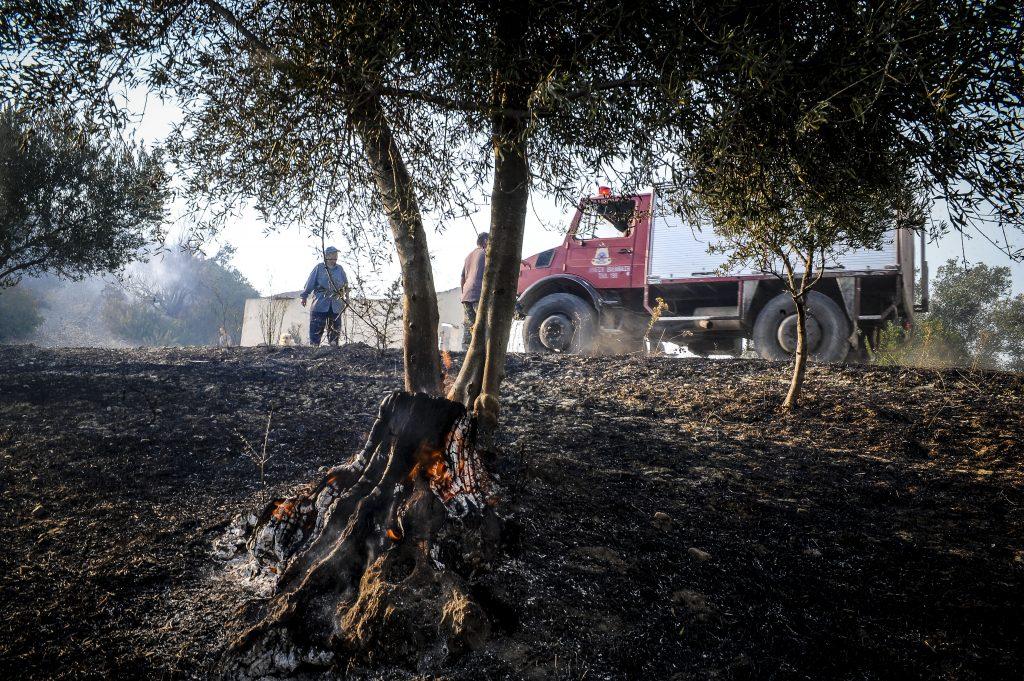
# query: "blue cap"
[[329, 250]]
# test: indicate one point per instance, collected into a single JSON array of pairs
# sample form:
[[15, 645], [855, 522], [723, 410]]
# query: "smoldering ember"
[[660, 520]]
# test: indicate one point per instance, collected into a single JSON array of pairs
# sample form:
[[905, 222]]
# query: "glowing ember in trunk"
[[454, 473], [447, 379], [410, 513]]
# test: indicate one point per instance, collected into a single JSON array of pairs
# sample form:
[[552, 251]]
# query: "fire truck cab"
[[598, 290]]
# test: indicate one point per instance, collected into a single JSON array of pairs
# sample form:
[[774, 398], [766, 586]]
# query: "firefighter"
[[329, 286]]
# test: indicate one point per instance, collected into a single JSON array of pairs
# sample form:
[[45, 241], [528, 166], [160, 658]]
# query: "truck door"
[[602, 245]]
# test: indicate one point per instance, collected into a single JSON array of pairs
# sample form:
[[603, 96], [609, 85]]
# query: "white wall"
[[277, 316]]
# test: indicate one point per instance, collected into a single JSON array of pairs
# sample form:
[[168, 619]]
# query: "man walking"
[[329, 285], [472, 280]]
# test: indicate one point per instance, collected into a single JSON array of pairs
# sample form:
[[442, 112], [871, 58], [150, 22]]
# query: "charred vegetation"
[[664, 518]]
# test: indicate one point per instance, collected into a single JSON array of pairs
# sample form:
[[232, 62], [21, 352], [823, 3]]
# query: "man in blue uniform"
[[329, 286]]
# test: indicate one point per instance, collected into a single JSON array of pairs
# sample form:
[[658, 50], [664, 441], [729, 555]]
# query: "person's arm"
[[462, 285], [310, 285]]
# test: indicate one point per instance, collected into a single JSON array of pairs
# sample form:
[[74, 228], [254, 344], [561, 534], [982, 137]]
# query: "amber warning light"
[[604, 191]]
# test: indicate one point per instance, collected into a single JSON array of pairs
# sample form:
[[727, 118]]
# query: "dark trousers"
[[318, 321], [468, 322]]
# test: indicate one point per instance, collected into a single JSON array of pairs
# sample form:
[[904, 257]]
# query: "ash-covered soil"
[[667, 521]]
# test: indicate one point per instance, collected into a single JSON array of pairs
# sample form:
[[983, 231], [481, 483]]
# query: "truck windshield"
[[606, 218]]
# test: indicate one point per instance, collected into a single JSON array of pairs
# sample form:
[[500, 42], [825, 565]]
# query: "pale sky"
[[280, 261]]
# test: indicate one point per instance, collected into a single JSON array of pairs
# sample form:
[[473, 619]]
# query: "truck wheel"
[[828, 330], [560, 322]]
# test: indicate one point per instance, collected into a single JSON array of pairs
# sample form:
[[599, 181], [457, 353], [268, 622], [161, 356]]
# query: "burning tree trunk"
[[370, 560]]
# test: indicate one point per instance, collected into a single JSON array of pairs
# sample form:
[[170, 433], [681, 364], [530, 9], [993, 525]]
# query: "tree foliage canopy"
[[270, 93], [822, 108], [70, 202]]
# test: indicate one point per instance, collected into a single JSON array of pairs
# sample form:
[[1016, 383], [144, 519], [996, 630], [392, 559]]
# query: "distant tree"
[[965, 301], [19, 314], [137, 321], [972, 322], [1008, 317], [220, 293], [71, 202]]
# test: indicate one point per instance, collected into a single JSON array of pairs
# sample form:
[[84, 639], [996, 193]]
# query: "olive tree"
[[346, 111], [73, 202], [980, 318], [830, 124]]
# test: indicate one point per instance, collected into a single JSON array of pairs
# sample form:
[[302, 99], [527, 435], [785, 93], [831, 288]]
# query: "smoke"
[[71, 312], [175, 298]]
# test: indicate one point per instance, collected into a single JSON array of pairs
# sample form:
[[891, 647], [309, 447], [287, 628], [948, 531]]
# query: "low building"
[[281, 320]]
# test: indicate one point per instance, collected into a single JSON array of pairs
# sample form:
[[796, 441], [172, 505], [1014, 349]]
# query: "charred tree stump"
[[370, 561]]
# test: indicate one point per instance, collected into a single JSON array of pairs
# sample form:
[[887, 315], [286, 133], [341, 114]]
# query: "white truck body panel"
[[679, 250]]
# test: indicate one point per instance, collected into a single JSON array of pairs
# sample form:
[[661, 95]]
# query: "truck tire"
[[560, 322], [828, 330]]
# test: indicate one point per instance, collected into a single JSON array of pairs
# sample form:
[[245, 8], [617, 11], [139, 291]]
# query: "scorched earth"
[[666, 521]]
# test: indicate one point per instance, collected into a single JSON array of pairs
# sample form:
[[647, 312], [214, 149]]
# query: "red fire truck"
[[596, 291]]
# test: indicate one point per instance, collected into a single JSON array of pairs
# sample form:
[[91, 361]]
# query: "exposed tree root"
[[369, 559]]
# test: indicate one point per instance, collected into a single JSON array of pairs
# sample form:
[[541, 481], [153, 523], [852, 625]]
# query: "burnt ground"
[[667, 521]]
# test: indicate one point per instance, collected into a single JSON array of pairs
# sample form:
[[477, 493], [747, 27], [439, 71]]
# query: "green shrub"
[[928, 345], [138, 322]]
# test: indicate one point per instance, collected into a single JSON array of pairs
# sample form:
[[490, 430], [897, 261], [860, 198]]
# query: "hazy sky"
[[281, 261]]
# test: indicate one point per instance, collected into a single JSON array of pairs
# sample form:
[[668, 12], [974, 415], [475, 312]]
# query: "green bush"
[[137, 321], [928, 345], [19, 314]]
